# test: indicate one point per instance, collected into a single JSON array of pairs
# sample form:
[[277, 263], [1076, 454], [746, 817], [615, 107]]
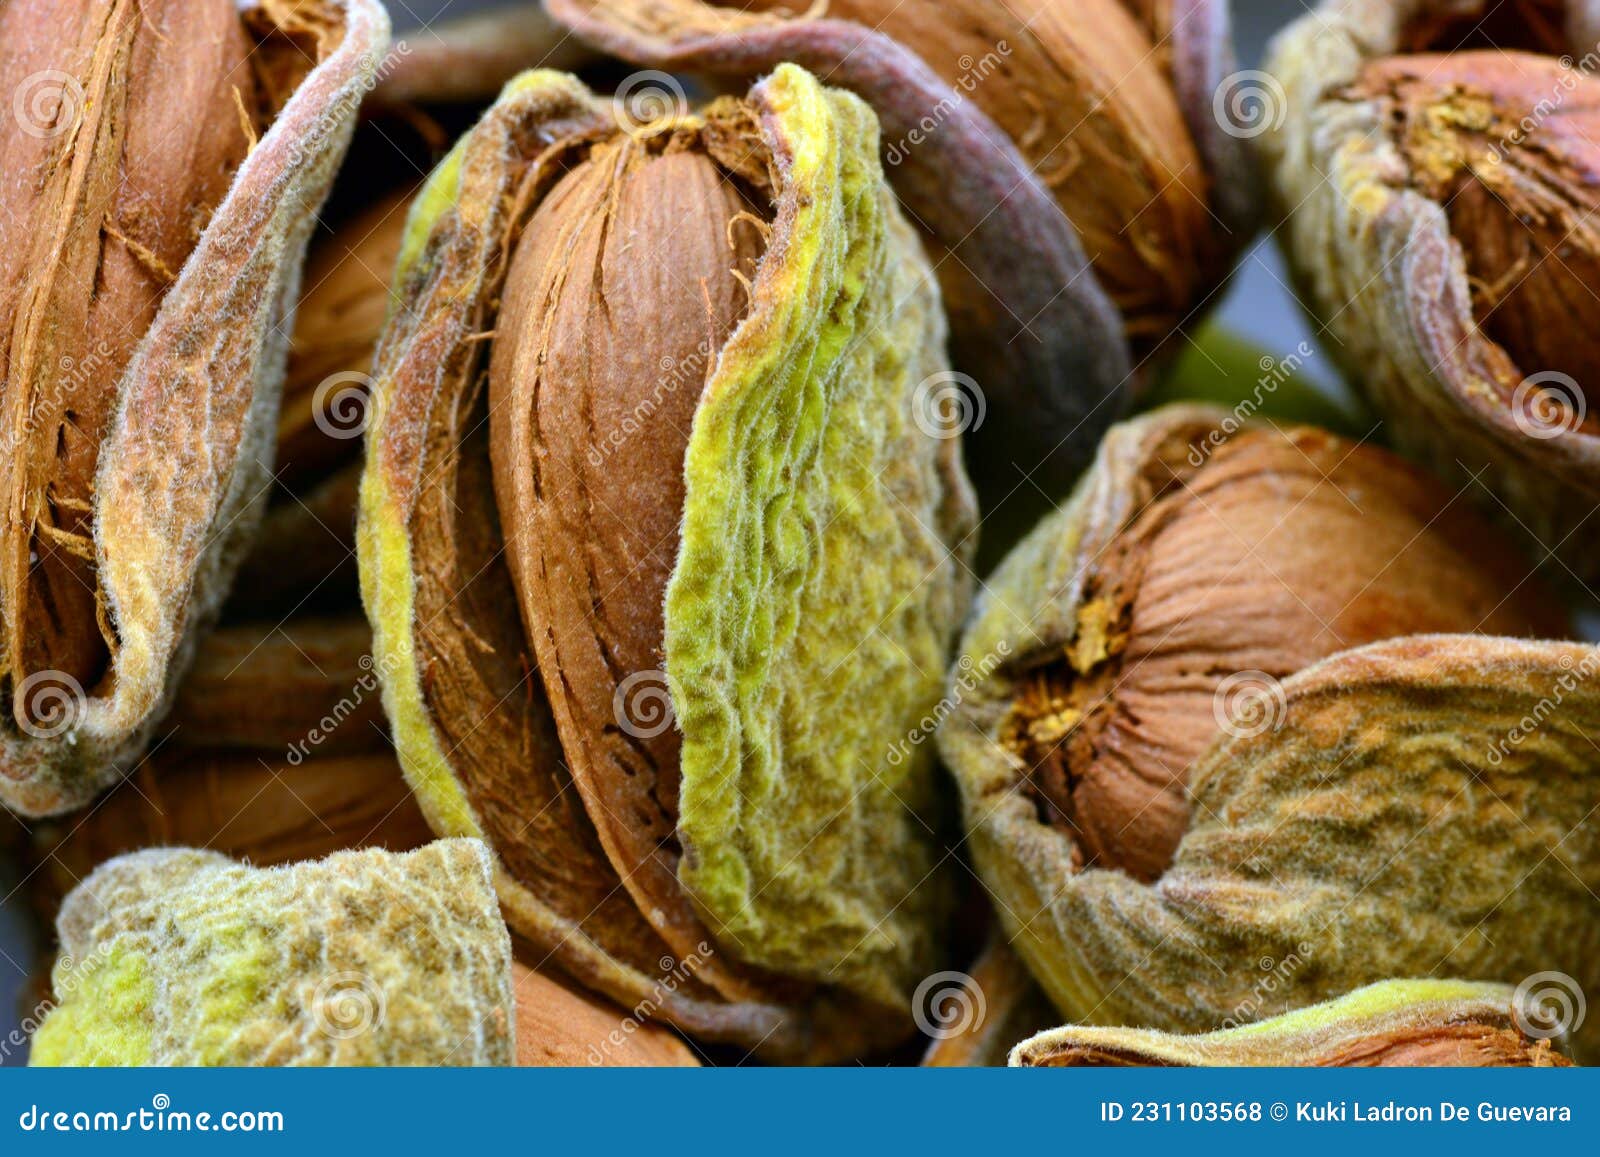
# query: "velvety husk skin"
[[1348, 839], [184, 465], [476, 732], [1375, 258], [1394, 1023], [103, 202], [1030, 320], [182, 957]]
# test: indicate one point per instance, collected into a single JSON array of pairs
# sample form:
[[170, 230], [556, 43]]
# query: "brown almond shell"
[[1347, 833], [184, 466], [1374, 256], [467, 693], [1029, 321]]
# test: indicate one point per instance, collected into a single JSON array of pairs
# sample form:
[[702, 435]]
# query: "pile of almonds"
[[490, 566]]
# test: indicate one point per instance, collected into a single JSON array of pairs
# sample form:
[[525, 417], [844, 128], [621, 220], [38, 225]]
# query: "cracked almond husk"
[[183, 957], [1063, 159], [1391, 1024], [1439, 168], [615, 587], [1224, 708], [353, 977], [181, 152]]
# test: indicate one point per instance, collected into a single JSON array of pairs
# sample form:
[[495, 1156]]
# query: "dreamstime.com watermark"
[[1572, 76], [971, 674], [1249, 103], [674, 375], [1574, 674], [676, 973], [1548, 1005], [1249, 703], [646, 102], [69, 976], [343, 110], [1274, 372], [949, 1004], [370, 683], [973, 73], [71, 376], [1276, 972], [160, 1117]]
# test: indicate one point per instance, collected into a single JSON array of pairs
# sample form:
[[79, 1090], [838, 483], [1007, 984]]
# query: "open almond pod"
[[1080, 197], [181, 152], [1194, 742], [1392, 1024], [1438, 165], [650, 500]]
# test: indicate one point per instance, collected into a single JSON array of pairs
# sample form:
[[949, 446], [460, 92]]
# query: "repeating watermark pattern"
[[369, 683], [1249, 703], [674, 974], [948, 404], [1250, 103], [974, 71], [74, 373], [1573, 74], [1274, 373], [69, 976], [1275, 976], [1574, 674], [341, 407], [47, 103], [675, 374], [342, 111], [1548, 405], [48, 704], [949, 1004], [1548, 1005], [646, 100], [348, 1004], [642, 704], [971, 674]]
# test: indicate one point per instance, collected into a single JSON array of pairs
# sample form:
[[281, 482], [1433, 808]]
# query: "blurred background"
[[1257, 306]]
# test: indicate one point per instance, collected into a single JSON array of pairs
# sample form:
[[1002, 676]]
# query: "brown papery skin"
[[105, 195], [619, 297], [252, 805], [561, 1026], [306, 684], [1082, 93], [336, 329], [1521, 188], [276, 751], [1280, 549]]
